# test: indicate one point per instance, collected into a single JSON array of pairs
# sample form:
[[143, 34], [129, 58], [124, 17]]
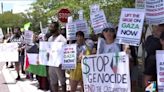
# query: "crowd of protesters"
[[54, 75]]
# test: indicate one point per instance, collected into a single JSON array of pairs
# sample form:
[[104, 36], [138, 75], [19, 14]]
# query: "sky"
[[16, 5]]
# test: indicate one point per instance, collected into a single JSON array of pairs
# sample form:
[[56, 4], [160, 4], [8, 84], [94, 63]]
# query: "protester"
[[56, 73], [131, 52], [152, 44], [107, 43], [39, 70], [76, 74], [17, 37]]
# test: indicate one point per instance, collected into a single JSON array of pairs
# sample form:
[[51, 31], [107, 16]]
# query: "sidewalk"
[[23, 85]]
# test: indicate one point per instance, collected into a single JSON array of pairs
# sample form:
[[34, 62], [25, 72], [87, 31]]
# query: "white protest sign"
[[80, 15], [28, 37], [9, 52], [69, 61], [1, 33], [71, 31], [140, 4], [130, 26], [81, 25], [154, 12], [98, 20], [101, 43], [50, 53], [106, 73], [160, 69], [70, 19], [94, 8], [32, 58], [44, 30]]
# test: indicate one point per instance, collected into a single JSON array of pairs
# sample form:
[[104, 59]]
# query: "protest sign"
[[140, 4], [9, 52], [71, 31], [130, 26], [101, 43], [28, 37], [94, 8], [106, 73], [44, 30], [1, 33], [69, 54], [50, 53], [70, 19], [98, 20], [81, 25], [160, 69], [154, 12], [80, 15]]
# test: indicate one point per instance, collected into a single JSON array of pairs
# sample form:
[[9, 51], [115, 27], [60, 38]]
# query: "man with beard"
[[17, 37], [56, 73]]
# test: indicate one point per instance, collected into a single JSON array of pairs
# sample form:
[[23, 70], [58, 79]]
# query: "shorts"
[[20, 61], [76, 74]]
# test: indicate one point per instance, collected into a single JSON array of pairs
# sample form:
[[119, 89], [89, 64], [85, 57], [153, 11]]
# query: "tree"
[[8, 19], [112, 8]]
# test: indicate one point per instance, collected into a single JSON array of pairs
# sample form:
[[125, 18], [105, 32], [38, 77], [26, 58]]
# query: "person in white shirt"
[[107, 43], [56, 73]]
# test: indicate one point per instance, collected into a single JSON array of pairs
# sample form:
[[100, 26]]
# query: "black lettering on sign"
[[129, 32]]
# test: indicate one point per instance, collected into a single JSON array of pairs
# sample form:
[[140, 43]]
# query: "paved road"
[[3, 86]]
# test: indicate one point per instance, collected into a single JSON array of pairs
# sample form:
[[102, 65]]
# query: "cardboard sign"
[[106, 73], [9, 52], [130, 26], [69, 61], [28, 37], [79, 25], [140, 4], [98, 20], [160, 69], [50, 53], [154, 12], [94, 8], [71, 31], [81, 15], [1, 33]]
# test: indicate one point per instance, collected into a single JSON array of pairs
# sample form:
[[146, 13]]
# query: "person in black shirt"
[[17, 37], [152, 44]]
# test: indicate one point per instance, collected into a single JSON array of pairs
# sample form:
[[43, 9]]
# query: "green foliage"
[[8, 19], [112, 8], [44, 9]]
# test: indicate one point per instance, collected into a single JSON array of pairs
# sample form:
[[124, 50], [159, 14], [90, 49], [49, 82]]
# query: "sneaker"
[[23, 72], [12, 66]]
